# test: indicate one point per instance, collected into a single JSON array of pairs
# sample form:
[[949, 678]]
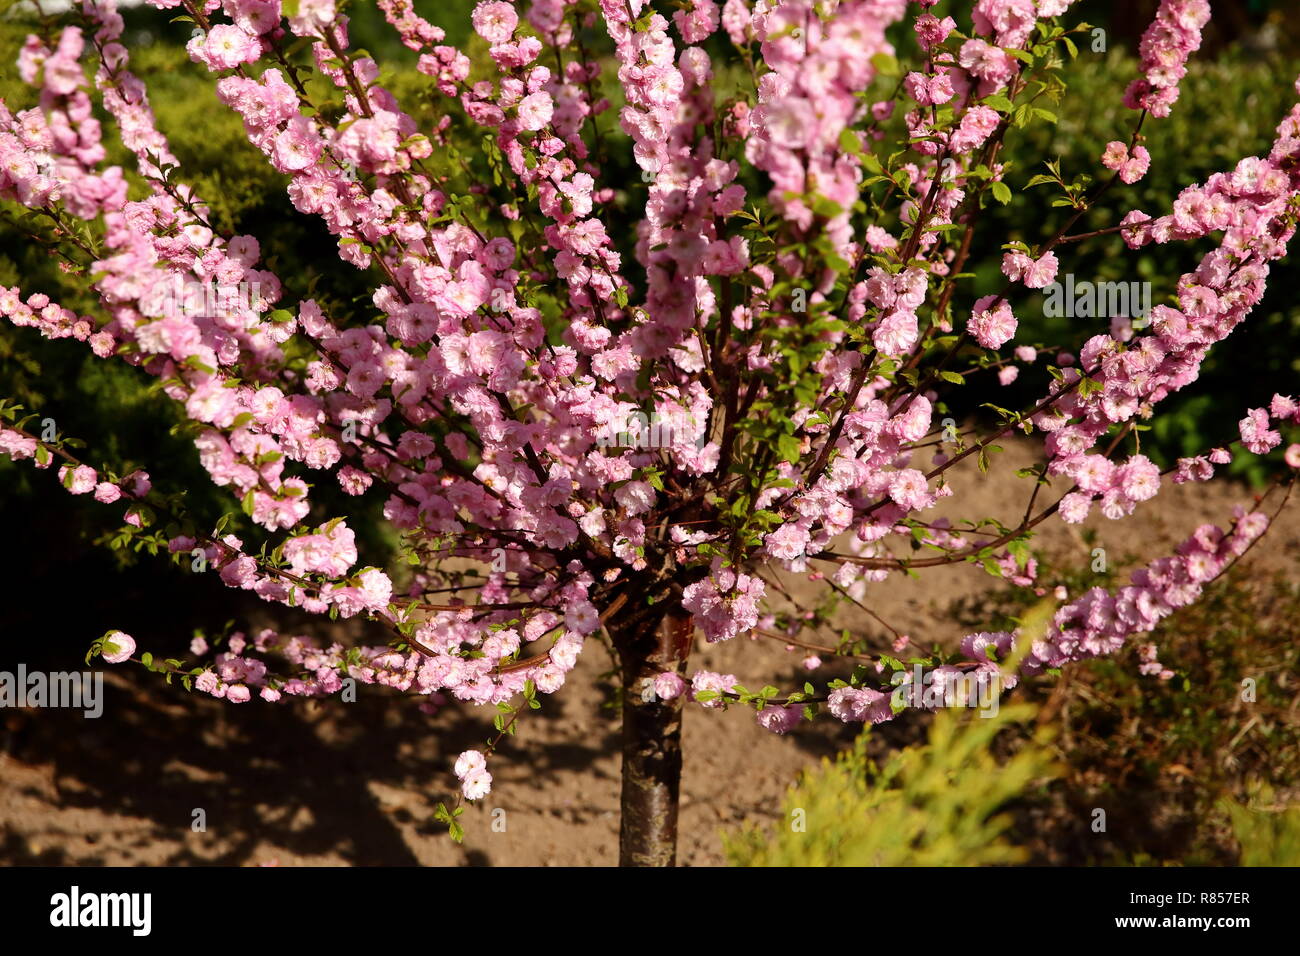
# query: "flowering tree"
[[585, 431]]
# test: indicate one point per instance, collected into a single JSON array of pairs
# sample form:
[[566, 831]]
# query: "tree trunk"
[[652, 743]]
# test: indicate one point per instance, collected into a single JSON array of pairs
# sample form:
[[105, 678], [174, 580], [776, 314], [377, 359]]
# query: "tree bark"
[[652, 742]]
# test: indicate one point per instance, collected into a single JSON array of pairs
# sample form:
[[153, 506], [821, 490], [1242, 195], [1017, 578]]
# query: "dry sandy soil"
[[355, 784]]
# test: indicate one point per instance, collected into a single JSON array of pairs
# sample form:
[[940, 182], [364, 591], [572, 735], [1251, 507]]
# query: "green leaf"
[[787, 446], [826, 208], [1001, 192], [886, 65]]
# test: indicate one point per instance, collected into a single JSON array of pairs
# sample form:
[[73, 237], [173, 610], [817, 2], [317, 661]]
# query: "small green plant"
[[1268, 835], [940, 803]]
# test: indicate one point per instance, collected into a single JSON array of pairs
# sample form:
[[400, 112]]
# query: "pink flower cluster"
[[992, 323], [1096, 624], [725, 603], [471, 768], [808, 101], [1131, 165], [1034, 273], [1173, 36], [1099, 623], [1249, 206]]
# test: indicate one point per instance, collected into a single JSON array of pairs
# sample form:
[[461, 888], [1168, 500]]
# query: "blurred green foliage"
[[935, 804], [1268, 836]]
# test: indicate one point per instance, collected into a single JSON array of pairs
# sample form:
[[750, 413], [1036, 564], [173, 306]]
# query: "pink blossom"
[[79, 480], [1041, 272], [669, 685], [932, 31], [698, 23], [225, 47], [1074, 507], [535, 110], [106, 492], [1173, 35], [992, 322], [470, 761], [976, 126], [118, 647], [495, 21], [712, 682], [1130, 166], [778, 719], [476, 785], [856, 705]]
